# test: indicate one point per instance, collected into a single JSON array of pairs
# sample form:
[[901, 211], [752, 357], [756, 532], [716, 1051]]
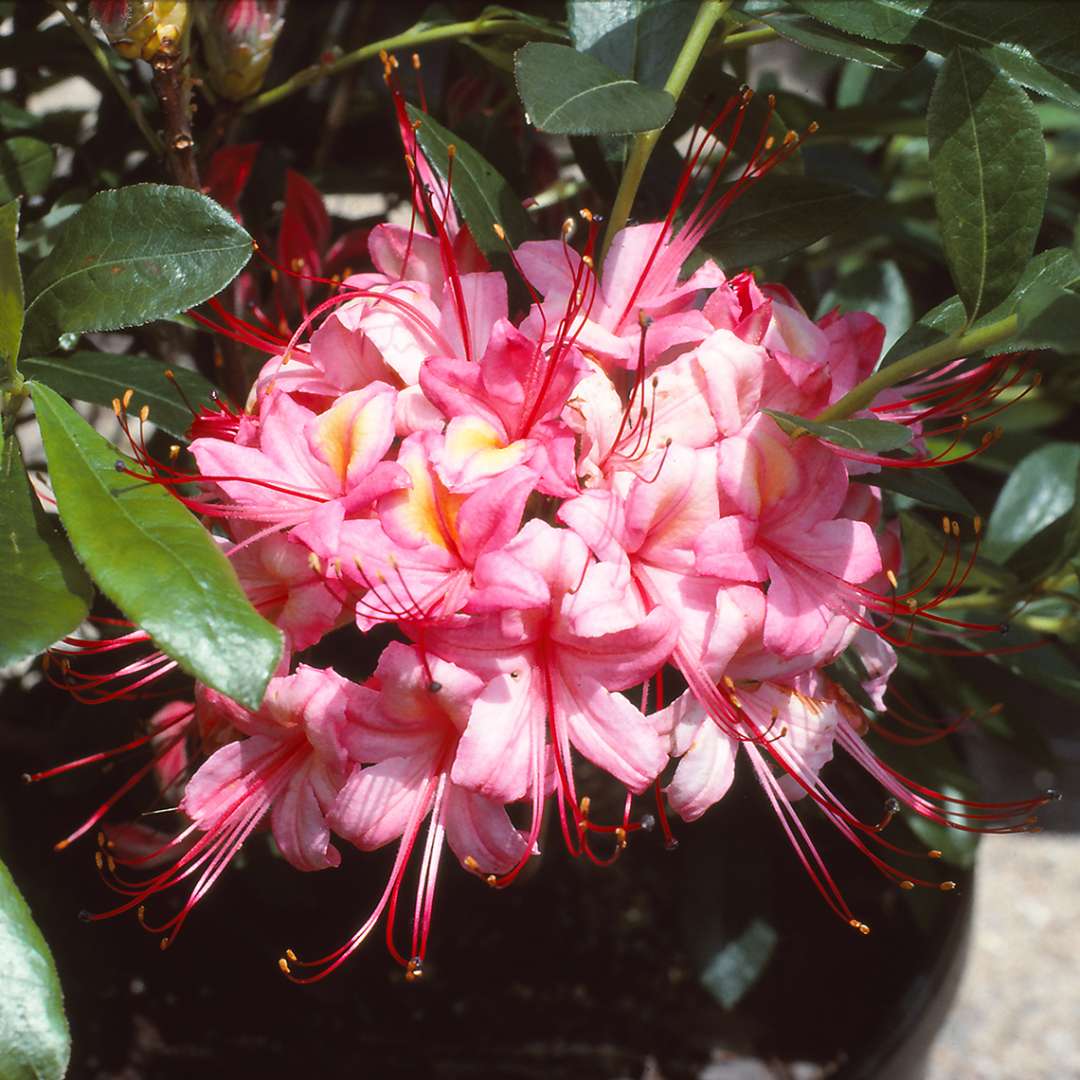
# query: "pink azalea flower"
[[404, 458], [305, 460], [289, 763], [778, 504], [556, 669], [403, 740]]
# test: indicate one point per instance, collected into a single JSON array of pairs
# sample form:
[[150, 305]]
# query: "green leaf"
[[101, 377], [44, 593], [569, 93], [778, 215], [823, 38], [1037, 43], [1051, 316], [11, 292], [876, 287], [735, 968], [129, 256], [482, 195], [26, 167], [930, 487], [870, 435], [154, 560], [1058, 267], [988, 168], [34, 1039], [640, 39], [1040, 489]]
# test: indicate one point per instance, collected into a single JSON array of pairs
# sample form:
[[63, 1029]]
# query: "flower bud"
[[238, 38], [141, 29]]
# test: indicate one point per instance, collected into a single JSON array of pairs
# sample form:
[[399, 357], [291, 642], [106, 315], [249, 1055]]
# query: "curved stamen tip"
[[892, 805], [671, 844], [934, 853], [947, 886], [434, 687], [907, 885], [1053, 795], [85, 916], [119, 465], [860, 926], [648, 822], [283, 966], [164, 943], [414, 969]]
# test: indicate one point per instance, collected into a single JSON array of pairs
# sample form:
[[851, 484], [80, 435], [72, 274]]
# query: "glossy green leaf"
[[26, 167], [929, 487], [11, 292], [1051, 316], [872, 436], [988, 168], [566, 92], [101, 377], [735, 968], [822, 38], [1058, 267], [482, 195], [154, 560], [44, 593], [778, 215], [129, 256], [1036, 42], [34, 1039], [640, 39], [1040, 489]]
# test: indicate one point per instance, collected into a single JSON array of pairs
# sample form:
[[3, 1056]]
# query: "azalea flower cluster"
[[563, 513]]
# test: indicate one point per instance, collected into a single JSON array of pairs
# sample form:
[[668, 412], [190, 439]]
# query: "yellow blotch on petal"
[[475, 448]]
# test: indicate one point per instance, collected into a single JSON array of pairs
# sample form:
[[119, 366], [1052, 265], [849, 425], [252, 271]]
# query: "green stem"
[[709, 14], [99, 54], [407, 40], [743, 39], [11, 401], [952, 348]]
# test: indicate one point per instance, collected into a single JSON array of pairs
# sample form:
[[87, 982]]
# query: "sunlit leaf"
[[44, 593], [566, 92], [872, 436], [988, 166], [129, 256], [34, 1039], [154, 560]]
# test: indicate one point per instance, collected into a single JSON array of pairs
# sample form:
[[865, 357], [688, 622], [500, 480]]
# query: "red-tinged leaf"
[[229, 173]]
